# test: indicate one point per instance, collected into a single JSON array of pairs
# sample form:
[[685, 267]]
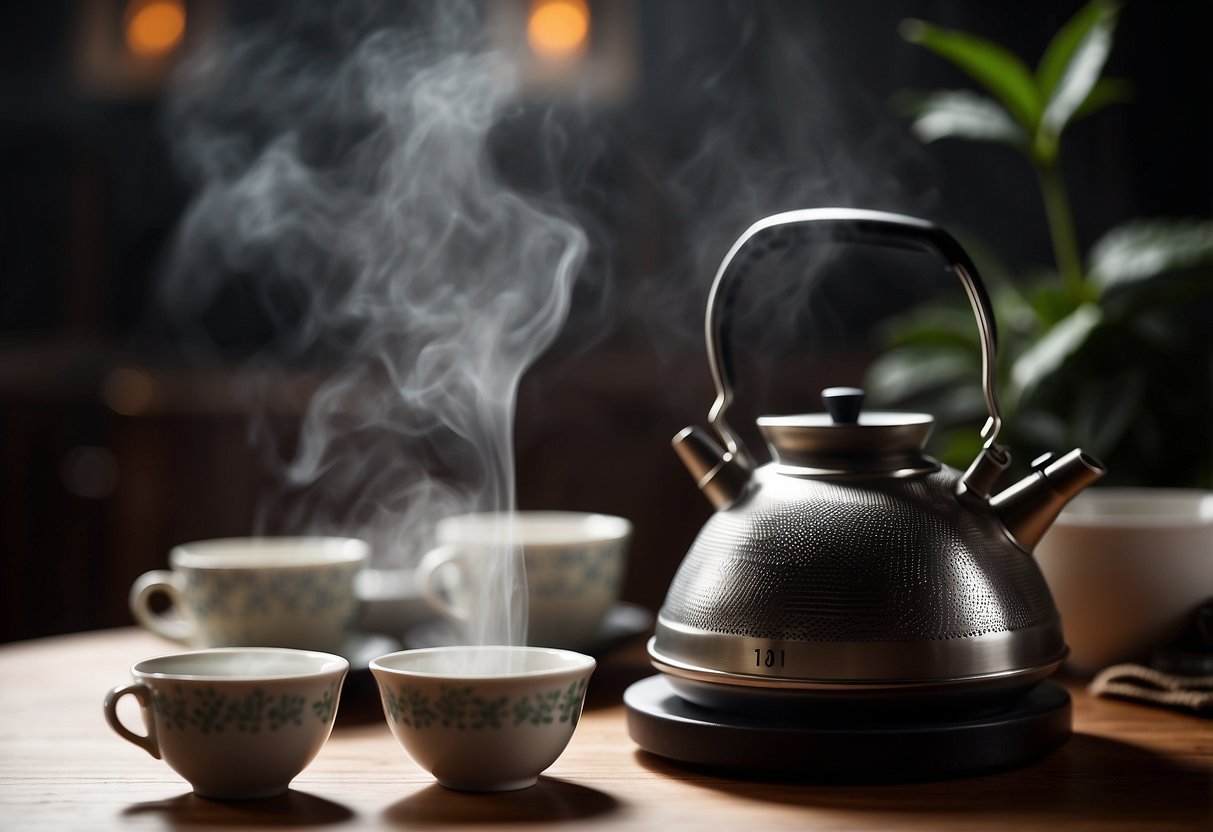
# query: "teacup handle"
[[149, 743], [146, 587], [436, 561]]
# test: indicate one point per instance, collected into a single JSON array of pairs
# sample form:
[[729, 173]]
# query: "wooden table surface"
[[1127, 767]]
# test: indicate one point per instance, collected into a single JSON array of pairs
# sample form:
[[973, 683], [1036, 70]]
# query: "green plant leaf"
[[961, 114], [1061, 49], [902, 374], [1046, 356], [1037, 429], [934, 325], [1106, 91], [1105, 409], [1085, 43], [1014, 310], [958, 447], [1003, 74], [1141, 249], [1052, 302], [960, 405]]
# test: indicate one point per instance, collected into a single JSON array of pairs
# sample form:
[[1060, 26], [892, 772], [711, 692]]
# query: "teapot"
[[853, 567]]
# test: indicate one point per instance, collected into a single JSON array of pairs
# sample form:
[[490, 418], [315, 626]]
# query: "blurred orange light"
[[558, 28], [128, 391], [154, 28]]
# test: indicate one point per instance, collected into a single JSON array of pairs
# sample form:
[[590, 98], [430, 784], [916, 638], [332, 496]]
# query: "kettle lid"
[[848, 442]]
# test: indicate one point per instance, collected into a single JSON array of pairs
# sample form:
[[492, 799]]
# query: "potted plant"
[[1111, 350]]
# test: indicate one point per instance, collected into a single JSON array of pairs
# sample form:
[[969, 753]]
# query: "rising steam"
[[349, 186]]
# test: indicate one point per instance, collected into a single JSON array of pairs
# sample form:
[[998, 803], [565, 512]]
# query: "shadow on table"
[[290, 809], [1089, 779], [549, 801]]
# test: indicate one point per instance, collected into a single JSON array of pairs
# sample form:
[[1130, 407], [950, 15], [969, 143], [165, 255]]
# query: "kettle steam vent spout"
[[720, 476], [1028, 508]]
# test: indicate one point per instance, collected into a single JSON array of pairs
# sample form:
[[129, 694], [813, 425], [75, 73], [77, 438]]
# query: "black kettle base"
[[856, 748]]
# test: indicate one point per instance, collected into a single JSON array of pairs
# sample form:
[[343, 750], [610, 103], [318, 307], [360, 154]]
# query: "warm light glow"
[[558, 28], [154, 28], [128, 391]]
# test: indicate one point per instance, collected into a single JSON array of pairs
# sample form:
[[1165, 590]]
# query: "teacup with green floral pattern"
[[483, 718], [256, 592], [574, 564], [235, 722]]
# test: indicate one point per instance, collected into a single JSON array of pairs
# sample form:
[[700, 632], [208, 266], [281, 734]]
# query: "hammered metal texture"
[[832, 561]]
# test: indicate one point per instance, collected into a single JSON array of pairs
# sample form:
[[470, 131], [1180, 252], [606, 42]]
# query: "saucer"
[[622, 623]]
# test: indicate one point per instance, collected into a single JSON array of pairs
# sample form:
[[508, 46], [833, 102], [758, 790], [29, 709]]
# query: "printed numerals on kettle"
[[769, 658]]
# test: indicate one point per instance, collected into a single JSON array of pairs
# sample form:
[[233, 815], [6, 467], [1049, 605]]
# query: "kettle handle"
[[845, 225]]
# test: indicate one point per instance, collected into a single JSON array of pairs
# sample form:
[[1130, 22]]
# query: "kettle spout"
[[1028, 508], [720, 476]]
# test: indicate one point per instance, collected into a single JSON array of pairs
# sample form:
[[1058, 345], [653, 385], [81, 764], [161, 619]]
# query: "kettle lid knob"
[[843, 404], [847, 441]]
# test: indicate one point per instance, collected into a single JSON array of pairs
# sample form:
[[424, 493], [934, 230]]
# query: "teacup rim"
[[579, 663], [1200, 514], [329, 664], [207, 552], [623, 528]]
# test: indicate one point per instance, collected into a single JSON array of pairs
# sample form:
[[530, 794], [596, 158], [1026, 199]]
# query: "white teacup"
[[574, 563], [270, 592], [483, 718], [236, 722], [1127, 568]]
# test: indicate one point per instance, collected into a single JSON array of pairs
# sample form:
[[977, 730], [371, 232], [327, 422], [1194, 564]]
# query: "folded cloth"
[[1145, 684]]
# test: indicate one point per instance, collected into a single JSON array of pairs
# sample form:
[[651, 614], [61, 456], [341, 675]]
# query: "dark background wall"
[[122, 432]]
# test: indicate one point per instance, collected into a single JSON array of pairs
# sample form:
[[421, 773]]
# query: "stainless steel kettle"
[[853, 566]]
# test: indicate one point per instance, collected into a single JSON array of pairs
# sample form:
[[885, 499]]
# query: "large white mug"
[[574, 562], [1128, 567], [270, 592]]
